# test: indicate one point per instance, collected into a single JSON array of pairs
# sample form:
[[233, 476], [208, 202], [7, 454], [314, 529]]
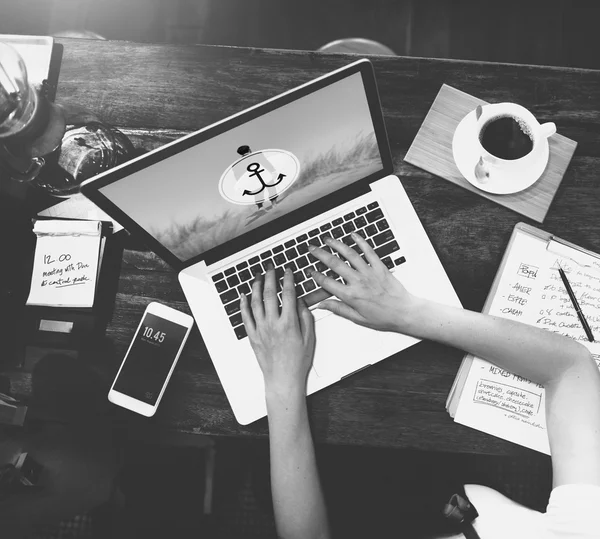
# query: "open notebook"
[[66, 263], [527, 288]]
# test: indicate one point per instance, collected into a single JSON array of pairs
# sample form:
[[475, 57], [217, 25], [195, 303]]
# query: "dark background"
[[545, 32]]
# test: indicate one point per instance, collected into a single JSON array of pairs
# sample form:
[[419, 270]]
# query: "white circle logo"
[[259, 176]]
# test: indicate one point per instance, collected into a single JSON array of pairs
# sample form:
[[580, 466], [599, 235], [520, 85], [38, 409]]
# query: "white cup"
[[489, 165]]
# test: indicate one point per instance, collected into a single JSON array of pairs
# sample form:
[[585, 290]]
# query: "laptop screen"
[[247, 176]]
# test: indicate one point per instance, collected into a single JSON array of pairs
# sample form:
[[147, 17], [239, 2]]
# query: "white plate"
[[500, 184]]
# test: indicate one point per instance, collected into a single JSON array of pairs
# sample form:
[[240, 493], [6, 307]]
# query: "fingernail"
[[327, 239], [309, 272], [354, 235], [311, 247], [242, 297]]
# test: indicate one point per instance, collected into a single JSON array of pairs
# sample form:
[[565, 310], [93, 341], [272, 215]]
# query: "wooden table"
[[157, 93]]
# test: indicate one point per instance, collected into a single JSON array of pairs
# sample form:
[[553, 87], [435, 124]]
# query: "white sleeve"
[[574, 512]]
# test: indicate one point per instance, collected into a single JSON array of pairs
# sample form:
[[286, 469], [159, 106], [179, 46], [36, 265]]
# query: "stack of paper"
[[527, 288], [66, 263]]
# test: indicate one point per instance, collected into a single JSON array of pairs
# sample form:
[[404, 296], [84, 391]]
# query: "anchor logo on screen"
[[259, 177], [254, 169]]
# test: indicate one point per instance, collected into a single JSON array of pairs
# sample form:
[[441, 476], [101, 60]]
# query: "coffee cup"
[[508, 140]]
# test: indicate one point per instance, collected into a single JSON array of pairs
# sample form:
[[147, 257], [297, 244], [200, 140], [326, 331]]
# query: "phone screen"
[[150, 359]]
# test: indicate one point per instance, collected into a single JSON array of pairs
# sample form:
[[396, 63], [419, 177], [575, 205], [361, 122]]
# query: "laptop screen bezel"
[[91, 188]]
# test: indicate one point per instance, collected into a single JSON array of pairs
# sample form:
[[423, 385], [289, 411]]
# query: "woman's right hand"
[[372, 296]]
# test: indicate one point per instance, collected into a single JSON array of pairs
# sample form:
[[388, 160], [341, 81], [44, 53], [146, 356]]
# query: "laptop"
[[261, 186]]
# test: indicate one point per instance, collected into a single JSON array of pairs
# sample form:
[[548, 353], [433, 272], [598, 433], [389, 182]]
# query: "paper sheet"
[[65, 267], [530, 290]]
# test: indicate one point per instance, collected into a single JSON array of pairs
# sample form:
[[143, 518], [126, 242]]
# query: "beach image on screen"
[[252, 174]]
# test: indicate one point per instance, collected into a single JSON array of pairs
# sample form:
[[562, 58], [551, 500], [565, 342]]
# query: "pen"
[[575, 303]]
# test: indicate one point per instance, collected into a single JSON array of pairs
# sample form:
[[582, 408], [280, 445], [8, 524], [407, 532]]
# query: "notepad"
[[66, 262], [528, 288]]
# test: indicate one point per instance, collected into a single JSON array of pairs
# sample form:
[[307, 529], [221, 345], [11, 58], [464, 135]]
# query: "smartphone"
[[150, 359]]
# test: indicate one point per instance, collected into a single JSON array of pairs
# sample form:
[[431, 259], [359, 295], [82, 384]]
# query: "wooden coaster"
[[432, 151]]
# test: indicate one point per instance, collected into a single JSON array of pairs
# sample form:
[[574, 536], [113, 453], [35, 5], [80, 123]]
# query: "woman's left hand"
[[284, 342]]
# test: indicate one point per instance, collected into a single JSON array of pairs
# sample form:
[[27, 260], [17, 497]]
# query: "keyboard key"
[[245, 275], [313, 232], [228, 296], [291, 253], [319, 266], [302, 262], [370, 230], [233, 281], [349, 216], [307, 272], [312, 258], [291, 265], [322, 237], [373, 205], [267, 263], [370, 242], [362, 210], [289, 244], [217, 277], [303, 247], [331, 273], [309, 286], [278, 249], [229, 271], [316, 241], [266, 254], [299, 290], [349, 227], [382, 225], [254, 260], [384, 237], [241, 266], [337, 232], [388, 262], [400, 260], [233, 307], [302, 237], [244, 288], [387, 249], [221, 286], [280, 259], [257, 268], [337, 222], [348, 240], [298, 277], [279, 272], [374, 215], [325, 227], [240, 332], [236, 319], [360, 222], [316, 296]]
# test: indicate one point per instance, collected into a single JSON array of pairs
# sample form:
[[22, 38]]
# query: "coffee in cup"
[[506, 137]]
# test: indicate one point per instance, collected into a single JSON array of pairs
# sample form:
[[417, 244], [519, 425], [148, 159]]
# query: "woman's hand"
[[284, 343], [372, 296]]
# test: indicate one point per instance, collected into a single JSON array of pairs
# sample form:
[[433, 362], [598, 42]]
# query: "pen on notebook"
[[575, 303]]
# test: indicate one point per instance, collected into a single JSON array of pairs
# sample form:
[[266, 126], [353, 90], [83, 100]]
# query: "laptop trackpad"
[[319, 313]]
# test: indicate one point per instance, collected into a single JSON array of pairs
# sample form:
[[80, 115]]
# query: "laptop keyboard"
[[368, 221]]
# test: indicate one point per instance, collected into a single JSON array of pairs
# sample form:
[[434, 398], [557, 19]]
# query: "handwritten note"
[[65, 267], [530, 290]]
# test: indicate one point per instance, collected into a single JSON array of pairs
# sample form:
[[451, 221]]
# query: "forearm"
[[531, 352], [297, 496]]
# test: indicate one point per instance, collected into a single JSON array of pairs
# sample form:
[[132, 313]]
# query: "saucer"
[[501, 183]]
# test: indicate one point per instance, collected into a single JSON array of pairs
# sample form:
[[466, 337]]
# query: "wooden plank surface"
[[160, 92], [432, 151]]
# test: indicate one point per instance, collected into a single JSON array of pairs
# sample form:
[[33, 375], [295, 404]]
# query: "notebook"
[[527, 288], [66, 263]]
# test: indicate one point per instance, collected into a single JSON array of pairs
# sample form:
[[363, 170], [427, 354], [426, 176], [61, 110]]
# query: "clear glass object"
[[17, 98]]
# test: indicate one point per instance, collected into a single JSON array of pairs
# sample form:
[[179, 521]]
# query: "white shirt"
[[573, 512]]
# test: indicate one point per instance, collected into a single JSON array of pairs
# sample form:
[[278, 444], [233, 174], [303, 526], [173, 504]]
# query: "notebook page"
[[79, 207], [65, 267], [502, 403]]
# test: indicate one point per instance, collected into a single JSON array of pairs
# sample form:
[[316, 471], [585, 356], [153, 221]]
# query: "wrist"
[[412, 317], [280, 396]]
